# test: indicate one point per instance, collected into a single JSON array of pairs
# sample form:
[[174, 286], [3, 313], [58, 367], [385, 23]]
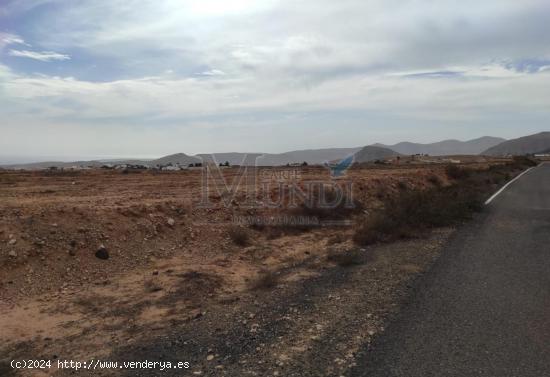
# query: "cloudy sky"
[[104, 78]]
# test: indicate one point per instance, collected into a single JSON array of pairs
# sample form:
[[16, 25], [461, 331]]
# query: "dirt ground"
[[176, 284]]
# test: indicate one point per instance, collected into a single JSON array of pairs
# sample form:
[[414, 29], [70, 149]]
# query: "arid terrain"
[[125, 266]]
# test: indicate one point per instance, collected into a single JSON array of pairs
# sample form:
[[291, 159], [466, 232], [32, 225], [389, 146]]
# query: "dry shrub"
[[434, 180], [61, 173], [456, 172], [413, 212], [266, 280], [321, 207], [7, 179], [402, 185], [151, 286], [522, 162], [336, 238], [259, 227], [194, 284], [90, 303], [273, 233], [132, 171], [346, 258], [498, 174], [6, 369], [239, 235]]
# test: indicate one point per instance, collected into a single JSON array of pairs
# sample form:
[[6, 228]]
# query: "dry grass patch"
[[266, 280], [413, 212], [457, 172]]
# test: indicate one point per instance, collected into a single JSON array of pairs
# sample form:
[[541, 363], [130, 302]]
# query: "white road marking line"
[[508, 184]]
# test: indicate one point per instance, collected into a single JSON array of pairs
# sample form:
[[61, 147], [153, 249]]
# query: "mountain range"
[[532, 144], [311, 156], [446, 147], [487, 145], [320, 156]]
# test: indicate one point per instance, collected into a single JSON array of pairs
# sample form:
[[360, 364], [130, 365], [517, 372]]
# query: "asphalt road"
[[484, 309]]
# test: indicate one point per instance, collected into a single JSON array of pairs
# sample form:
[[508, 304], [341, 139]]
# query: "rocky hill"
[[446, 147], [538, 143], [372, 153]]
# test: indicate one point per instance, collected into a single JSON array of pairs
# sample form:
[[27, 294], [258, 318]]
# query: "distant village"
[[126, 167], [165, 167]]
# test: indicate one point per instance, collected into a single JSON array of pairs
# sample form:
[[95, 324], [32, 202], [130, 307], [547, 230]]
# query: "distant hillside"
[[537, 143], [175, 159], [234, 158], [311, 156], [373, 153], [446, 147]]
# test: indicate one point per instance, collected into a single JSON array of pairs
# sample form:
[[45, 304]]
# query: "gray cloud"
[[460, 69], [44, 56]]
